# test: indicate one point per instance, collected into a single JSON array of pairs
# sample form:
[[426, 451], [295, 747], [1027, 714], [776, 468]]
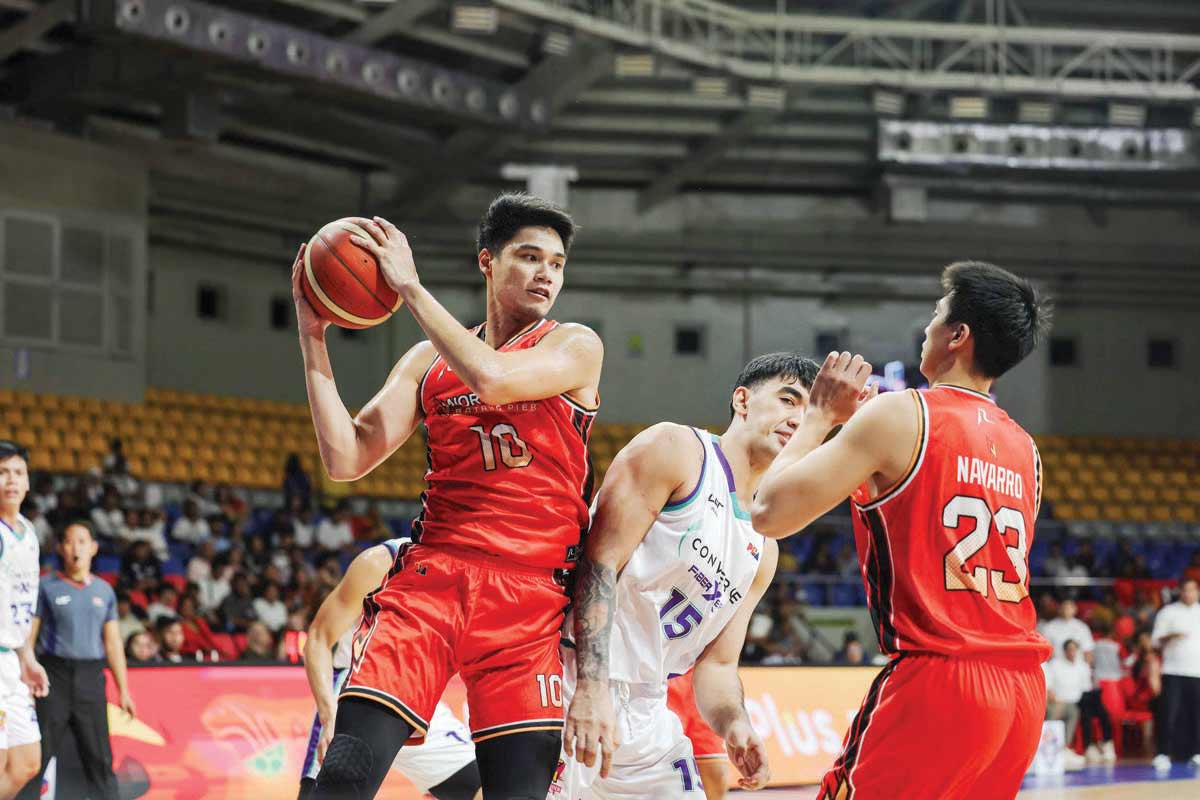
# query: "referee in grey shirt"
[[77, 632]]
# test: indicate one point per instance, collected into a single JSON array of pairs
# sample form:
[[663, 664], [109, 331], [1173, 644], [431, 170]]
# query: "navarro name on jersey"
[[990, 476]]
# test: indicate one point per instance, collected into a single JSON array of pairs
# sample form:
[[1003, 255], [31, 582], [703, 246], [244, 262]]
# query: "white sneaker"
[[1161, 762], [1108, 752], [1196, 760], [1072, 761], [1092, 754]]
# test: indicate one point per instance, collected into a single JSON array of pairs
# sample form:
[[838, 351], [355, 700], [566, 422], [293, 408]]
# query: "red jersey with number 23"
[[945, 551], [509, 480]]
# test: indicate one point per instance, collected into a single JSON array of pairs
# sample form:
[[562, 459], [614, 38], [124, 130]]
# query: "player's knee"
[[347, 768]]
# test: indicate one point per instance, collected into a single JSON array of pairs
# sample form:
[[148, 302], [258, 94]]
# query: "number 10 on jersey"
[[514, 453]]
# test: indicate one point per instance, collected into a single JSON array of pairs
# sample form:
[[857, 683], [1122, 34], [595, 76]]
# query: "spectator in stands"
[[334, 532], [140, 570], [1055, 564], [1066, 626], [1177, 634], [260, 645], [148, 525], [758, 635], [200, 573], [128, 623], [237, 609], [141, 649], [302, 571], [269, 609], [114, 459], [45, 533], [192, 527], [91, 488], [233, 508], [304, 530], [1067, 677], [257, 555], [201, 494], [170, 640], [1145, 668], [70, 507], [108, 519], [296, 484], [369, 527], [821, 561], [197, 635], [1192, 571], [852, 653], [848, 564], [164, 604], [43, 495], [281, 558], [1106, 655]]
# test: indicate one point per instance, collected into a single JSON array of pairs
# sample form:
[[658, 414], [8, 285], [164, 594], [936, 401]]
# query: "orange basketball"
[[342, 281]]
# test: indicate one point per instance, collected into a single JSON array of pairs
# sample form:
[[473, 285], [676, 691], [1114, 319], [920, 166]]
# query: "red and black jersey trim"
[[484, 734], [881, 580], [844, 766]]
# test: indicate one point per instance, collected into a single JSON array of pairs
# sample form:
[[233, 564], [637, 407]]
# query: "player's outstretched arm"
[[718, 688], [567, 360], [809, 478], [337, 613], [660, 463]]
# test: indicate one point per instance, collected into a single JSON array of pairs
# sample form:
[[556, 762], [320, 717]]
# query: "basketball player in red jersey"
[[508, 407], [945, 488]]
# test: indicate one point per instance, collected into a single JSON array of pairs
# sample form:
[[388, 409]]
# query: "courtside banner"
[[242, 732], [802, 714]]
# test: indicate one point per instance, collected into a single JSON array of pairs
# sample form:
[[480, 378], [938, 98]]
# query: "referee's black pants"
[[76, 705], [1180, 717]]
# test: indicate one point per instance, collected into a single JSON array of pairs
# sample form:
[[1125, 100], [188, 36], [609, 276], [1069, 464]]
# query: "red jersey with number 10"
[[512, 480], [945, 552]]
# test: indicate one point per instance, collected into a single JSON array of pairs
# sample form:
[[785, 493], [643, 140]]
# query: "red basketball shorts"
[[939, 728], [446, 610], [682, 700]]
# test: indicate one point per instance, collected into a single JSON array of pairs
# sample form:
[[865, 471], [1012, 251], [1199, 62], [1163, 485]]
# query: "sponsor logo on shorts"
[[556, 787]]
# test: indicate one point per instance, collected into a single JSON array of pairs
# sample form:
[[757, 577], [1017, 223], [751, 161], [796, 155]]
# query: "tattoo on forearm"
[[595, 602]]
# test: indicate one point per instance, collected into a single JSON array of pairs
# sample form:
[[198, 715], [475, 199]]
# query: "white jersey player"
[[444, 766], [671, 573], [20, 739]]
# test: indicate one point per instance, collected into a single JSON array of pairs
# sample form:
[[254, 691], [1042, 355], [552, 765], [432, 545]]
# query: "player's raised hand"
[[591, 730], [840, 387], [391, 250], [749, 754], [307, 320]]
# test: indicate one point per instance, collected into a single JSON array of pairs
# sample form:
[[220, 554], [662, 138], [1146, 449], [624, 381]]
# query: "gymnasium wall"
[[57, 183], [1111, 391]]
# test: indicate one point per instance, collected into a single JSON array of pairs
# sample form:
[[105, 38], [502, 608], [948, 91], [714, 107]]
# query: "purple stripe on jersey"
[[699, 481], [724, 464]]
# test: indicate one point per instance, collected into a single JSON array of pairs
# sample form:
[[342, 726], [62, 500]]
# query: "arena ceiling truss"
[[278, 114]]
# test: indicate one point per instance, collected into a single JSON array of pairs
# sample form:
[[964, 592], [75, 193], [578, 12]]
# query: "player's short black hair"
[[785, 366], [76, 522], [1004, 312], [510, 212], [8, 449]]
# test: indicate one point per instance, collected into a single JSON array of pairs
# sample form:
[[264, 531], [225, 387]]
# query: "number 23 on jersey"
[[974, 512]]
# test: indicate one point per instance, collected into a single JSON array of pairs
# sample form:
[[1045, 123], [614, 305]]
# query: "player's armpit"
[[877, 442]]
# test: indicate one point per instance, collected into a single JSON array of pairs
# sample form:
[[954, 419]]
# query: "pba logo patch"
[[556, 785], [752, 550]]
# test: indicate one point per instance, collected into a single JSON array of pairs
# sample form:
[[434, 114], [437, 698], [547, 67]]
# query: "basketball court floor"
[[1125, 781]]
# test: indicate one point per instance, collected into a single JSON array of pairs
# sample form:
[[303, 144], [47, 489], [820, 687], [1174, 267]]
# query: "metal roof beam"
[[39, 22]]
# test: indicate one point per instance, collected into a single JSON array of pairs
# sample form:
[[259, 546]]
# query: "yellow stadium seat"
[[65, 461], [49, 439], [185, 452], [41, 459], [1170, 495], [1072, 459], [7, 398], [136, 466], [1186, 514], [1192, 495], [72, 404], [74, 440], [1095, 461], [1099, 493], [1123, 493], [1138, 513], [14, 417], [1074, 491], [1146, 494]]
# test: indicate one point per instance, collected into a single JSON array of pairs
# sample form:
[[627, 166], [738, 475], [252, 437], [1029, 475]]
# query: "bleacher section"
[[1131, 479], [177, 437]]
